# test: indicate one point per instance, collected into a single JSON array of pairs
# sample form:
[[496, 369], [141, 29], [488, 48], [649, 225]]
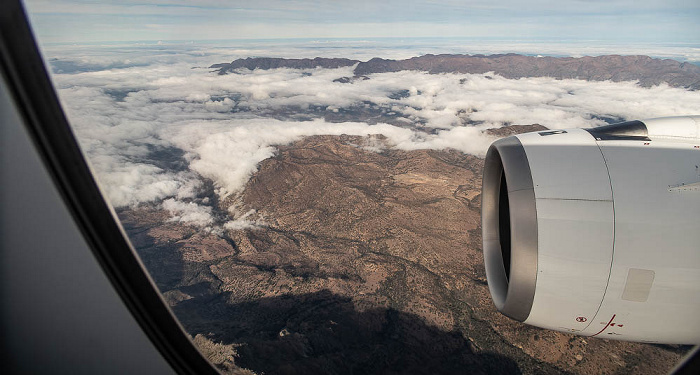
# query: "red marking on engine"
[[581, 319], [646, 143], [619, 325], [606, 326]]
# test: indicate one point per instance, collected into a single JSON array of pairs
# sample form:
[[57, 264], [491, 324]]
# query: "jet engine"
[[596, 231]]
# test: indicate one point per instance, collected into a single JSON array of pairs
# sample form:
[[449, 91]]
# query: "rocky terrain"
[[362, 262], [644, 69], [274, 63]]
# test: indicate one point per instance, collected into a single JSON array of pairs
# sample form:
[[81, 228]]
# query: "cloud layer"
[[158, 130]]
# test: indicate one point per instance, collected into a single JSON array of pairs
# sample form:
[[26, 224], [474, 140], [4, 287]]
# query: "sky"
[[619, 21]]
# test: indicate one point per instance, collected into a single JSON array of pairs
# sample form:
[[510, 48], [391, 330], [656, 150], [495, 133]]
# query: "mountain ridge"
[[367, 262], [647, 71]]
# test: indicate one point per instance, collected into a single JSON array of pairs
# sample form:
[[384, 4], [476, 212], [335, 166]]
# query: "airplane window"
[[302, 180]]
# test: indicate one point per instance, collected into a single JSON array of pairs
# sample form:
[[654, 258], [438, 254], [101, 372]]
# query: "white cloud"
[[153, 131], [243, 222], [189, 212], [128, 184]]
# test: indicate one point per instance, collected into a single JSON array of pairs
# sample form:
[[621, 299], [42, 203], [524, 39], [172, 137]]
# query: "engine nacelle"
[[596, 232]]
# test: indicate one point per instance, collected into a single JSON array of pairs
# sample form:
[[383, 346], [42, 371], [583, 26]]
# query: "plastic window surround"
[[37, 101]]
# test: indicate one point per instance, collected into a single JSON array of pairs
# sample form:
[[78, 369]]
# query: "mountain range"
[[364, 262], [647, 71]]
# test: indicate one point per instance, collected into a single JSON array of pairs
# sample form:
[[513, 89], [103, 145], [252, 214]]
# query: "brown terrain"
[[644, 69], [366, 263], [274, 63]]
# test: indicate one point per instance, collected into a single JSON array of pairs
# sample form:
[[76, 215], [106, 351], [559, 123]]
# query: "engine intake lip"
[[512, 286]]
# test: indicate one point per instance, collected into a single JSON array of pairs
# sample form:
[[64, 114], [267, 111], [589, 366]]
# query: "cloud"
[[189, 212], [160, 129], [243, 222], [128, 184]]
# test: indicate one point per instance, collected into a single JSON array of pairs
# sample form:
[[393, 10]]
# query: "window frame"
[[30, 86]]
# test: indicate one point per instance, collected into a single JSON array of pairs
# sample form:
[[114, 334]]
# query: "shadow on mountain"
[[325, 333]]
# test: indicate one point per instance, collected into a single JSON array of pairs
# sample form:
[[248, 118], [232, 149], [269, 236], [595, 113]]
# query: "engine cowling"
[[597, 231]]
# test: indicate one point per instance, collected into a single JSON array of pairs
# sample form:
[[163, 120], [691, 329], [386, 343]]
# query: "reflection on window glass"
[[302, 180]]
